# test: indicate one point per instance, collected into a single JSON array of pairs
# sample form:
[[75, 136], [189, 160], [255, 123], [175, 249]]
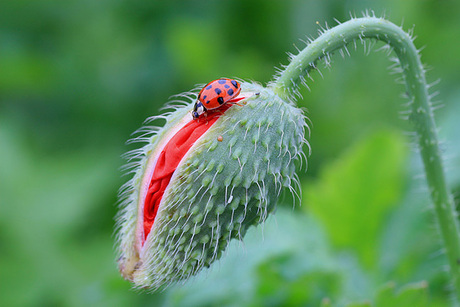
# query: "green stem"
[[421, 112]]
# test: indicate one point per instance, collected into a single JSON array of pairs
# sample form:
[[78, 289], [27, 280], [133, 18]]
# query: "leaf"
[[354, 194], [414, 294], [281, 282]]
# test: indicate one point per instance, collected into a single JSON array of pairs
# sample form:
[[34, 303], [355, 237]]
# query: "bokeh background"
[[77, 77]]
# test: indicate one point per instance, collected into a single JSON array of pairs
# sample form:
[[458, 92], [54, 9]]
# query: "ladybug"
[[214, 94]]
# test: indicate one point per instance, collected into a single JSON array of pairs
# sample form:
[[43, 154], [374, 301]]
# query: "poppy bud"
[[198, 183]]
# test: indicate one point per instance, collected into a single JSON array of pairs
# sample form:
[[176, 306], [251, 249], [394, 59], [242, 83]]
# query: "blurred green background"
[[78, 77]]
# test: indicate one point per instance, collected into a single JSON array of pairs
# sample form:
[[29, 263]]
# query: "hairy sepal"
[[230, 179]]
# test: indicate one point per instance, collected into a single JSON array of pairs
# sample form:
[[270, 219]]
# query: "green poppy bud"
[[198, 183]]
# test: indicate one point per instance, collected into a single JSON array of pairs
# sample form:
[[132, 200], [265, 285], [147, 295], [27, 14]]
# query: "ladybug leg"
[[205, 114]]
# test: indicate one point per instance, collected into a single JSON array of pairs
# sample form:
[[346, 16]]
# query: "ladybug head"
[[198, 109]]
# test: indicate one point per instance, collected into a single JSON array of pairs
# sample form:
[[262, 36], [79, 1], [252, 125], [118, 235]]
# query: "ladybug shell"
[[217, 92]]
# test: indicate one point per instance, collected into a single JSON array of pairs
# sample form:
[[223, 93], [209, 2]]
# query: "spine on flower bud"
[[228, 180]]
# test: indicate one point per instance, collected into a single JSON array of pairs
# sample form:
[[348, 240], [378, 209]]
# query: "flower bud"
[[195, 189]]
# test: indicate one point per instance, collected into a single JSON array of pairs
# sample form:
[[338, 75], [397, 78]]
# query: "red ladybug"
[[215, 94]]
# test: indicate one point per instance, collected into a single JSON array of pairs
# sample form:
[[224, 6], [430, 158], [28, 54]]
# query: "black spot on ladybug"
[[226, 86], [208, 101], [220, 100], [209, 87], [218, 91], [230, 92], [222, 81], [204, 97], [234, 83]]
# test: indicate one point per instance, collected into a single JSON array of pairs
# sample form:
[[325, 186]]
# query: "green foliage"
[[281, 285], [77, 77], [354, 194], [409, 295]]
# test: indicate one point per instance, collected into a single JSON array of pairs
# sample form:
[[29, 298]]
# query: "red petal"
[[169, 159]]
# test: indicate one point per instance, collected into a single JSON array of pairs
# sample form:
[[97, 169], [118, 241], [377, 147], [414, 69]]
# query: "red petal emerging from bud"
[[169, 159], [200, 183]]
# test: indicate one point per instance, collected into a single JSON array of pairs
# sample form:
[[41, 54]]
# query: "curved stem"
[[421, 112]]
